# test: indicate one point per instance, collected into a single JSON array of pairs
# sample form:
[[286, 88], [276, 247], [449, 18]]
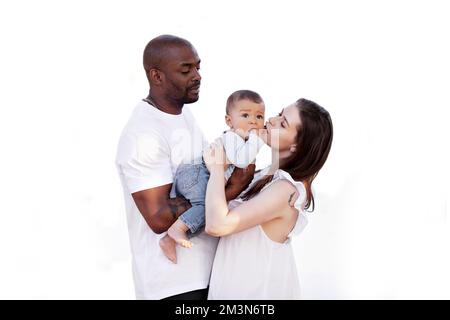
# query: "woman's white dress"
[[249, 265]]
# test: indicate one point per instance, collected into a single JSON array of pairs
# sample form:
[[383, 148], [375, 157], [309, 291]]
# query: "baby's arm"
[[239, 152]]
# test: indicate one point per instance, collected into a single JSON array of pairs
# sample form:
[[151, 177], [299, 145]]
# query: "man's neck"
[[164, 104]]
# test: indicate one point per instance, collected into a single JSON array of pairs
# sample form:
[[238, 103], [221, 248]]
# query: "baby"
[[244, 112]]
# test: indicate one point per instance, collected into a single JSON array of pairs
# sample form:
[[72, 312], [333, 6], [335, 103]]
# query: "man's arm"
[[239, 181], [158, 210]]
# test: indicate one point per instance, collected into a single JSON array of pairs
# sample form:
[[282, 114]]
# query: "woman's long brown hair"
[[314, 138]]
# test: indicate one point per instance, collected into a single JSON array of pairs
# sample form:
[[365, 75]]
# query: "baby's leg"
[[191, 183], [167, 243], [178, 233], [168, 247]]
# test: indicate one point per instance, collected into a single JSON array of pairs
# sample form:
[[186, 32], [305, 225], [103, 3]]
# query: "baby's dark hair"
[[242, 95]]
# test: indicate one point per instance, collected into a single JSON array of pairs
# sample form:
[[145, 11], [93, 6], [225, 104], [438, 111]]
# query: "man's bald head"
[[158, 50], [172, 68]]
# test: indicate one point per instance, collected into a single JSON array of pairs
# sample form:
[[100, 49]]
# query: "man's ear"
[[228, 121], [155, 76]]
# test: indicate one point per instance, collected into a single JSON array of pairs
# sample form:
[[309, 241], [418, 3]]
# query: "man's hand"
[[239, 181], [177, 206]]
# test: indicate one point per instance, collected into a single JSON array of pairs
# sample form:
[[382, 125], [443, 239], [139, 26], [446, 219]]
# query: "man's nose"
[[197, 77]]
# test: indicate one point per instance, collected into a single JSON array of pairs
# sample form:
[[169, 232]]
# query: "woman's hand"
[[214, 156]]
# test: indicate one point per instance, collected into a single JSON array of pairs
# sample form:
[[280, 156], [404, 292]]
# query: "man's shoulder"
[[142, 121], [141, 129]]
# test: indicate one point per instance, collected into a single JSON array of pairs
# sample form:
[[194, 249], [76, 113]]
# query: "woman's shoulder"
[[281, 175], [283, 185], [298, 203], [282, 179]]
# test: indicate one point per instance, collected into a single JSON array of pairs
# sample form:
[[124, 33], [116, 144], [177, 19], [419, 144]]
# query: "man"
[[159, 136]]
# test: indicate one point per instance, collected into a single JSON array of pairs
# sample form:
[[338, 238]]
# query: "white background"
[[71, 72]]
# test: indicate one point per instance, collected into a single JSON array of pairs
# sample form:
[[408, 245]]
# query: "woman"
[[254, 258]]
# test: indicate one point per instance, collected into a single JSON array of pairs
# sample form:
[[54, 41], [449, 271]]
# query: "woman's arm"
[[271, 203]]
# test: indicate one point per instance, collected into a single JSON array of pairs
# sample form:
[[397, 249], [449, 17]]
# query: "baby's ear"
[[228, 121]]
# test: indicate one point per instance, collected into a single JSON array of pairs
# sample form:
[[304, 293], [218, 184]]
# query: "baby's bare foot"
[[168, 246], [178, 233]]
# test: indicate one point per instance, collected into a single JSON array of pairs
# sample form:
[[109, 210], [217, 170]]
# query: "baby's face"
[[246, 115]]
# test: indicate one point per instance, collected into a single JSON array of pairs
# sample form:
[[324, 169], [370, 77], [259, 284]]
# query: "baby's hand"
[[262, 133]]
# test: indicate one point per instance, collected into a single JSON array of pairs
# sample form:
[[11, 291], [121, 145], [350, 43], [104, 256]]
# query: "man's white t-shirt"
[[152, 145]]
